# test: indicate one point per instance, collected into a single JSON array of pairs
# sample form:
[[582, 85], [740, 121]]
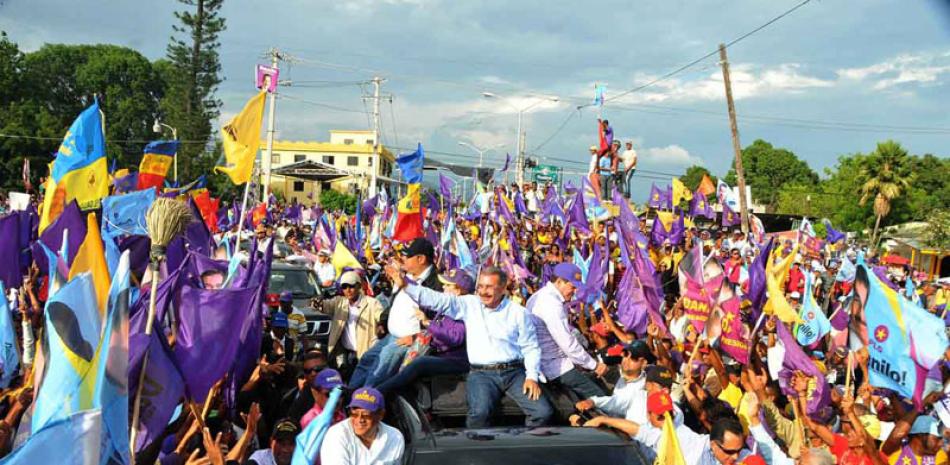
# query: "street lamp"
[[157, 128], [519, 142]]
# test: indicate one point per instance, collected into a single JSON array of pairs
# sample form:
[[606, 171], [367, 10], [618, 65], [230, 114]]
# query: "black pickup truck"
[[438, 439]]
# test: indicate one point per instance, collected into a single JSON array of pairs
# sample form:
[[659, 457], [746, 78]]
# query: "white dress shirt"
[[618, 403], [560, 350], [341, 446], [492, 335], [325, 272]]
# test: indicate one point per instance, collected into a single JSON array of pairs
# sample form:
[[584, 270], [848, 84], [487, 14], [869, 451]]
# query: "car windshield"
[[301, 282]]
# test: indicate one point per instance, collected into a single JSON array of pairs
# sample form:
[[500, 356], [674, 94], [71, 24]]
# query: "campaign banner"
[[698, 307]]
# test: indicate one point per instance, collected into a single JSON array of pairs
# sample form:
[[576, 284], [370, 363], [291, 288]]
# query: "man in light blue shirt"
[[502, 346]]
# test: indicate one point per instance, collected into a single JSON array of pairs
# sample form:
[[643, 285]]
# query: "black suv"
[[302, 282], [428, 442]]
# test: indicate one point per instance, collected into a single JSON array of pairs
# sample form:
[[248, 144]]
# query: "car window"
[[302, 283]]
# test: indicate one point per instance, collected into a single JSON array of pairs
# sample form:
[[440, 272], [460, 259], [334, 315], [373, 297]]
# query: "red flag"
[[208, 207], [258, 214], [409, 216]]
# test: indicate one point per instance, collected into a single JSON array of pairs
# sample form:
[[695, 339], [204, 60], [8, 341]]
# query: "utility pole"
[[275, 57], [374, 172], [740, 174]]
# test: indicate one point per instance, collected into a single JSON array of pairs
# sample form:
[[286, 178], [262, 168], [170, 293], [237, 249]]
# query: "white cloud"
[[906, 68], [672, 156], [747, 81]]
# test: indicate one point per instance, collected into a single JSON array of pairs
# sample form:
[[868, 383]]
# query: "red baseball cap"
[[753, 460], [659, 403], [272, 300]]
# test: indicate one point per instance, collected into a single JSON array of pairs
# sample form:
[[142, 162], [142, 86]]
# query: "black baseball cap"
[[660, 375], [638, 349], [419, 246], [285, 429]]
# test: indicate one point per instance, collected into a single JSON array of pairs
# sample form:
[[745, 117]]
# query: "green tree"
[[332, 200], [694, 175], [192, 71], [767, 169], [52, 85], [885, 177], [938, 234]]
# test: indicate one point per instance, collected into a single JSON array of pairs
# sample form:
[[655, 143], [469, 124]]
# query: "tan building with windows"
[[348, 154]]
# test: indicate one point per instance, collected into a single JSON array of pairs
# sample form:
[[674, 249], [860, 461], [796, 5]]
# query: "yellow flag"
[[241, 138], [680, 192], [91, 259], [342, 258], [775, 275], [668, 451], [666, 218]]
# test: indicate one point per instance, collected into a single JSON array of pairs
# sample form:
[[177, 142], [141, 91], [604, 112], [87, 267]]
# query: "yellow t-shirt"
[[731, 394], [939, 459], [545, 238]]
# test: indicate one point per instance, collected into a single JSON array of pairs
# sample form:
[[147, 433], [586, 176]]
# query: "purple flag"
[[677, 230], [729, 217], [72, 220], [368, 209], [596, 277], [632, 308], [757, 280], [520, 207], [577, 216], [700, 207], [11, 273], [251, 331], [503, 211], [570, 188], [658, 234], [833, 235], [658, 198], [819, 396], [163, 388], [206, 345], [445, 187], [507, 162]]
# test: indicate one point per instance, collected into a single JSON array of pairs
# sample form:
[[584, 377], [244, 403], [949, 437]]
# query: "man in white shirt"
[[282, 444], [561, 353], [629, 160], [636, 356], [326, 273], [363, 439], [384, 358], [531, 197]]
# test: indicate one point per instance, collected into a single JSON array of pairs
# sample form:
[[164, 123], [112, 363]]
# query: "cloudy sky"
[[831, 78]]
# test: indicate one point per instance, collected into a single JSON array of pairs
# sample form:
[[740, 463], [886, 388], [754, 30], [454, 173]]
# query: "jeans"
[[606, 179], [484, 389], [628, 182], [579, 384], [390, 359], [368, 362], [427, 365]]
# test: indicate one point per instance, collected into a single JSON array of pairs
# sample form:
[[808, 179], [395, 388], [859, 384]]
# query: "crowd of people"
[[539, 308]]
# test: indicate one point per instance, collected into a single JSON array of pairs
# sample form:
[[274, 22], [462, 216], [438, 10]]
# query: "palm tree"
[[884, 178]]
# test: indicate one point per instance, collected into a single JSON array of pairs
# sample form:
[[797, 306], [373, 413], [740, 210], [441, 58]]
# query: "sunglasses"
[[727, 451], [314, 369], [347, 286]]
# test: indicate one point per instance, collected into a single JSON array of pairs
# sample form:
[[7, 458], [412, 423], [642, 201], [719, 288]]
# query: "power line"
[[125, 141], [712, 53], [320, 104]]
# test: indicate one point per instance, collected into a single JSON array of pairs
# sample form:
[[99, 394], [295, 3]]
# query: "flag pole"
[[247, 190]]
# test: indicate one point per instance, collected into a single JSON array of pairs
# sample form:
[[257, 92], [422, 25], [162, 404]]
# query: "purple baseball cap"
[[569, 272], [328, 379], [368, 399], [286, 296], [460, 279]]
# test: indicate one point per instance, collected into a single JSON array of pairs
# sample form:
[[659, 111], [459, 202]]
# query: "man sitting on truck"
[[502, 346]]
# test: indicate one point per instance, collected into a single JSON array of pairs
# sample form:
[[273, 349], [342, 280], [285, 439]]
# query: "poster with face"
[[267, 78]]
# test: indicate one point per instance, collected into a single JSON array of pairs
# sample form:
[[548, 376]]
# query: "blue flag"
[[310, 439], [123, 215], [9, 355], [904, 340], [410, 164], [832, 234], [815, 324], [73, 440], [72, 329], [112, 363]]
